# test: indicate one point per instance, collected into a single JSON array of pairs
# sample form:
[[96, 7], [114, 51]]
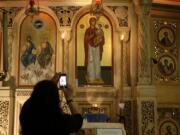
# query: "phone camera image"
[[63, 81]]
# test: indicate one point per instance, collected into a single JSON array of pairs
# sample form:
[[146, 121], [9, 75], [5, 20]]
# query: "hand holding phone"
[[55, 78]]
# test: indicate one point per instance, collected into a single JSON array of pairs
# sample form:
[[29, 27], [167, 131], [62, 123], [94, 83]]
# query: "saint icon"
[[165, 41], [166, 65], [166, 37], [93, 45]]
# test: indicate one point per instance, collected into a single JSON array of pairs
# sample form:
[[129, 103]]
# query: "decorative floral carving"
[[24, 93], [128, 118], [121, 13], [65, 14], [148, 118], [12, 12], [4, 111]]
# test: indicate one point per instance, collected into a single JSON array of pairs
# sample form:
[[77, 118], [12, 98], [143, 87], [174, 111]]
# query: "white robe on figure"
[[94, 66]]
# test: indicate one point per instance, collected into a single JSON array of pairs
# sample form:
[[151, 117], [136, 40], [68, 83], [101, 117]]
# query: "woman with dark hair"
[[41, 113]]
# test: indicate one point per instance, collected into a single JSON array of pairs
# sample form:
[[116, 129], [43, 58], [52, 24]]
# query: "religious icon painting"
[[165, 50], [168, 127], [37, 49], [166, 65], [166, 37], [94, 51]]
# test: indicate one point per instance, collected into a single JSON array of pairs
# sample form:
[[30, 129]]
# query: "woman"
[[41, 113]]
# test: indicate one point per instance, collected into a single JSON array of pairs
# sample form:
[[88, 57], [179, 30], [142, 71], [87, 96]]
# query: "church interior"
[[121, 57]]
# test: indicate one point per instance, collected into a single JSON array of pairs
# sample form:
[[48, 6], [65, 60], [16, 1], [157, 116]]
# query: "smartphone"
[[63, 81]]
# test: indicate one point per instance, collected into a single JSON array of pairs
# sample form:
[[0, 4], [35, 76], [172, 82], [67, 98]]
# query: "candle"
[[63, 36], [122, 37], [95, 105], [121, 105], [121, 75]]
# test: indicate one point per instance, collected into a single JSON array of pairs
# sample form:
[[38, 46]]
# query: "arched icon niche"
[[37, 49]]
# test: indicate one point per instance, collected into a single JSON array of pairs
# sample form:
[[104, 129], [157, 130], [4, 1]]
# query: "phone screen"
[[63, 81]]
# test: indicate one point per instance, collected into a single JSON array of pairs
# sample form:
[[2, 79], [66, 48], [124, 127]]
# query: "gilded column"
[[144, 94], [124, 39], [65, 37], [142, 9], [66, 50], [124, 31]]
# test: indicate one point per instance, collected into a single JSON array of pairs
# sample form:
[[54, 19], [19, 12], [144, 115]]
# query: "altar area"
[[124, 76], [91, 128]]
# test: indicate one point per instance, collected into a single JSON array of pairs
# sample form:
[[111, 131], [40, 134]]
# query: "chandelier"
[[96, 8], [32, 9]]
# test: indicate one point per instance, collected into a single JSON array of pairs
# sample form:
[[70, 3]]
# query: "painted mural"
[[37, 49], [94, 51]]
